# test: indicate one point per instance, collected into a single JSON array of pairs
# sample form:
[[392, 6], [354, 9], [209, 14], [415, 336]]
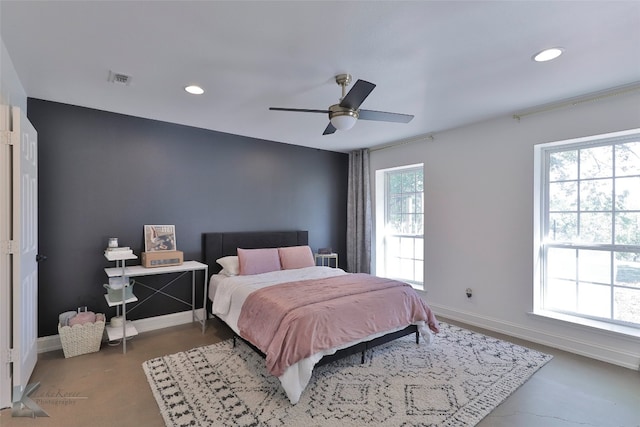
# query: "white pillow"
[[230, 265]]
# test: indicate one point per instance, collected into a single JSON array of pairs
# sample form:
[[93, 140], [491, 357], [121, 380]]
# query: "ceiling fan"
[[344, 115]]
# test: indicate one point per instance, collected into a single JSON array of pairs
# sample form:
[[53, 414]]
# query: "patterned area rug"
[[456, 381]]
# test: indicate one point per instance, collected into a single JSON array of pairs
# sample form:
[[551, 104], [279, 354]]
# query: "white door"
[[22, 247]]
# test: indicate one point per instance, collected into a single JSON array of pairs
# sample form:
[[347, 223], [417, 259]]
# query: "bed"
[[235, 298]]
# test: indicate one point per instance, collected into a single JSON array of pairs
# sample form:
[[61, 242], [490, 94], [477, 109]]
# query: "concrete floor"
[[108, 388]]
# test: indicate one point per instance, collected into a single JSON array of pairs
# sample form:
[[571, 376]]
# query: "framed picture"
[[159, 238]]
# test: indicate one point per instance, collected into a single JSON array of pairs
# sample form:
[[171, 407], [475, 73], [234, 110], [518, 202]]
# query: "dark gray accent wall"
[[106, 175]]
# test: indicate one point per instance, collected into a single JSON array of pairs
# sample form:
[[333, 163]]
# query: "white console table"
[[185, 267]]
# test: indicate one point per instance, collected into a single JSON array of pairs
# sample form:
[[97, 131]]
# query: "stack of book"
[[118, 252]]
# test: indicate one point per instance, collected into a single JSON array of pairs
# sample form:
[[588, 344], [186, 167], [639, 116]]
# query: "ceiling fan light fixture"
[[342, 118], [343, 122]]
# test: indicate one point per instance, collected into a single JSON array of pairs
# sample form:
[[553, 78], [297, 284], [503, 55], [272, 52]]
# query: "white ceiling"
[[449, 63]]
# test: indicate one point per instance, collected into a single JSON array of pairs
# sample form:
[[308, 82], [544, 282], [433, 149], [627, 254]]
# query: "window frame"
[[383, 209], [542, 246]]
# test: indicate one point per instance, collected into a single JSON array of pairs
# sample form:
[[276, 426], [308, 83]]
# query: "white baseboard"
[[567, 343], [52, 342]]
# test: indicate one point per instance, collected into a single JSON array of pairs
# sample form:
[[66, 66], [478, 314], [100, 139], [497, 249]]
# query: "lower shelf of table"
[[115, 333], [119, 302]]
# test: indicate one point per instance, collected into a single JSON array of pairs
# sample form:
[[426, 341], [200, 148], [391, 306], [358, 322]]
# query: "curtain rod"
[[572, 102], [403, 142]]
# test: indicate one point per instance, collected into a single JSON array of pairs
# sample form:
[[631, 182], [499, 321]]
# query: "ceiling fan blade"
[[357, 95], [299, 110], [383, 116], [329, 130]]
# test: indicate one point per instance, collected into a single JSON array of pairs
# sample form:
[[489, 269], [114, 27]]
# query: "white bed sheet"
[[228, 294]]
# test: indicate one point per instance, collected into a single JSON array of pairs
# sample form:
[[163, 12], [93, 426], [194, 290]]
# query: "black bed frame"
[[220, 244]]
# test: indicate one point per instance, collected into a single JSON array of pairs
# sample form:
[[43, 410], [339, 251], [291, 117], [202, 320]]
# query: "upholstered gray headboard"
[[219, 244]]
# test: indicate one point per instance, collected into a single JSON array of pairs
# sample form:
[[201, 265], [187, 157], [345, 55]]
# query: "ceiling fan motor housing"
[[336, 110]]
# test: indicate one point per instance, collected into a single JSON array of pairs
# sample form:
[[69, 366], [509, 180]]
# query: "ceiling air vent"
[[119, 78]]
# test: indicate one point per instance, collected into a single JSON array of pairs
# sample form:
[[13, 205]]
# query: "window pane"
[[594, 266], [563, 227], [395, 183], [628, 159], [420, 181], [404, 224], [627, 269], [419, 224], [626, 305], [563, 196], [595, 195], [628, 229], [594, 300], [417, 200], [563, 165], [407, 204], [628, 193], [560, 295], [419, 245], [392, 250], [393, 245], [409, 182], [395, 205], [406, 248], [596, 228], [393, 266], [406, 269], [394, 223], [561, 263], [596, 162], [419, 266]]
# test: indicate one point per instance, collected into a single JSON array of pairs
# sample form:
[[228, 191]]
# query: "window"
[[402, 243], [588, 228]]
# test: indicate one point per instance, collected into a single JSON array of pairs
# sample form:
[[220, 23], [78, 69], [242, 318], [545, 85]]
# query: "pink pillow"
[[256, 261], [296, 257]]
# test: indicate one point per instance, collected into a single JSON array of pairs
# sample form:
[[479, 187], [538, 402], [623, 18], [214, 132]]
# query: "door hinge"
[[8, 247], [10, 355], [6, 137]]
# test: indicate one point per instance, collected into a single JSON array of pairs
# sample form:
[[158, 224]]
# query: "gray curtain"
[[359, 213]]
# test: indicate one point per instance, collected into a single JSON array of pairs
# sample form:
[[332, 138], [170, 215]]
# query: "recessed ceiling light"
[[547, 54], [195, 90]]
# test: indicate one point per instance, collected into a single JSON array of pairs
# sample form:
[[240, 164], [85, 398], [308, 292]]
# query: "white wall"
[[479, 221], [11, 90]]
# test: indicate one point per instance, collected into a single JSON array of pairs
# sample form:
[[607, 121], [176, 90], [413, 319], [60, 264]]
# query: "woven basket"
[[81, 339]]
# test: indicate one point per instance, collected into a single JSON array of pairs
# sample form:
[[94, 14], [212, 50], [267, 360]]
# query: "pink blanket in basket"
[[291, 321]]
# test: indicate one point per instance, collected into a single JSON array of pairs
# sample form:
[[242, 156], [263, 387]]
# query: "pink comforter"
[[292, 321]]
